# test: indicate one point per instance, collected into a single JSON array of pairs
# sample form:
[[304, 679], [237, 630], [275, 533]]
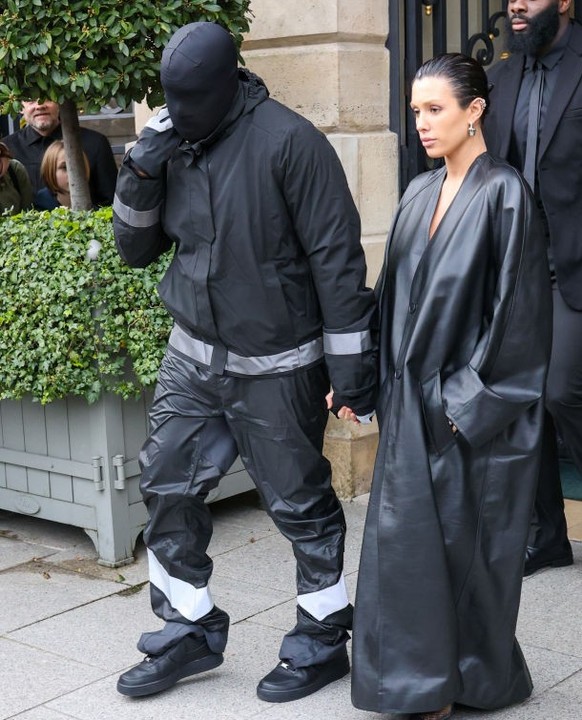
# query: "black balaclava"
[[199, 75]]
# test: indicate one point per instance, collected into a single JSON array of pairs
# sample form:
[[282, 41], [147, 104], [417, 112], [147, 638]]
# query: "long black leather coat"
[[465, 333]]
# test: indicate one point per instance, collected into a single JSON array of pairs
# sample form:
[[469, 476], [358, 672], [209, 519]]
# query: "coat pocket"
[[439, 432]]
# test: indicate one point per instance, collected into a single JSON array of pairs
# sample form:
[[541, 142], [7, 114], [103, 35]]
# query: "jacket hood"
[[253, 89]]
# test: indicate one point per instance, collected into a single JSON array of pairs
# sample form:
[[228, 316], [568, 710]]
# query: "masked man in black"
[[536, 123], [267, 289]]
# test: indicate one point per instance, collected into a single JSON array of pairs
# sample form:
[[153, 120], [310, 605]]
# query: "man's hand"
[[155, 144]]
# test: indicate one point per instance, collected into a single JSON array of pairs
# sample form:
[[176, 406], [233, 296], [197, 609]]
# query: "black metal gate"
[[420, 29]]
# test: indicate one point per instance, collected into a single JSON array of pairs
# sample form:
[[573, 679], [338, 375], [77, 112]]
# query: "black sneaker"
[[286, 682], [159, 672], [554, 556]]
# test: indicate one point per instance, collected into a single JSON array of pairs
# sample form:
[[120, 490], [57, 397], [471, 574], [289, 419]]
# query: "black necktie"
[[533, 125]]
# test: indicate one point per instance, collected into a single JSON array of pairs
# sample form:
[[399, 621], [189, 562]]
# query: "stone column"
[[327, 60]]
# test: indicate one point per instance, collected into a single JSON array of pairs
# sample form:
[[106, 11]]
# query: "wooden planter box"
[[76, 463]]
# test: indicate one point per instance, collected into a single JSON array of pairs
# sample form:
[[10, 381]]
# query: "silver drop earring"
[[472, 130]]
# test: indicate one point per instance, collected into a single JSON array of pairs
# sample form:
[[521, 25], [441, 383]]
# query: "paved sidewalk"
[[68, 627]]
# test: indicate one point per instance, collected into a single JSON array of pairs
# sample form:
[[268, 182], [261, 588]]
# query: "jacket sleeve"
[[140, 194], [328, 227], [507, 371]]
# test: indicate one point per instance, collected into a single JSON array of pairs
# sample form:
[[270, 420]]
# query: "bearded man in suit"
[[536, 124]]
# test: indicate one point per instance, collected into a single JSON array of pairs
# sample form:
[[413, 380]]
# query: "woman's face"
[[61, 175], [441, 123]]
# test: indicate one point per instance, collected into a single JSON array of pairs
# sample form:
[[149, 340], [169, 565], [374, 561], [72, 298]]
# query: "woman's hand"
[[344, 413]]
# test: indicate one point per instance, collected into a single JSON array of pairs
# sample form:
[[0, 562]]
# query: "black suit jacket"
[[559, 158]]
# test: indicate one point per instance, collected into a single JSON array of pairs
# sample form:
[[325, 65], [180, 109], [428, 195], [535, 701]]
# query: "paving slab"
[[271, 555], [228, 536], [31, 677], [13, 552], [282, 617], [549, 669], [353, 548], [245, 599], [226, 693], [102, 634], [43, 713], [551, 608], [119, 620], [85, 563], [355, 511], [62, 545], [35, 591], [560, 703], [269, 562]]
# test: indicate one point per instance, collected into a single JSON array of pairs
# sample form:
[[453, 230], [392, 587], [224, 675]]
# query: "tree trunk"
[[76, 168]]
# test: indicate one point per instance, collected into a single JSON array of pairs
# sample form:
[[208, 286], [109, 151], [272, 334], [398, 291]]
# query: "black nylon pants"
[[200, 421]]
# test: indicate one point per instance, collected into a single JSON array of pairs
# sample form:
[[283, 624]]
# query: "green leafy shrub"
[[91, 52], [70, 325]]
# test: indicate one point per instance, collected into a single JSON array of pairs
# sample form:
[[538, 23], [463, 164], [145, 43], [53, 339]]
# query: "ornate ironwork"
[[485, 55]]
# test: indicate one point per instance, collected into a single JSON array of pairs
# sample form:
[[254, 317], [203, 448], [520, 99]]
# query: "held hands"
[[344, 413]]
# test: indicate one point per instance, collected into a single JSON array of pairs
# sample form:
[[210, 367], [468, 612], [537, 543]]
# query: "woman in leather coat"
[[464, 345]]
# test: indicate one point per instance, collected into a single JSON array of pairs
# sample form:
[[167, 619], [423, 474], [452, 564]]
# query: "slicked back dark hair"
[[464, 74]]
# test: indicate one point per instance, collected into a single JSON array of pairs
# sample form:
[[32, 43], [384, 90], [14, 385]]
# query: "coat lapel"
[[568, 78], [471, 184]]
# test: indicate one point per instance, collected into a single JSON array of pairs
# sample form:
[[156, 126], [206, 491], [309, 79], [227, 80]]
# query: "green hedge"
[[70, 325]]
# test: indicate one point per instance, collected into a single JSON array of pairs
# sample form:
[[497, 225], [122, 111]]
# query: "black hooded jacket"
[[268, 273]]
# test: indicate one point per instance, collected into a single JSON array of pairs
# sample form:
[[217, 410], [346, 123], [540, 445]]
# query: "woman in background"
[[53, 171], [465, 305], [15, 185]]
